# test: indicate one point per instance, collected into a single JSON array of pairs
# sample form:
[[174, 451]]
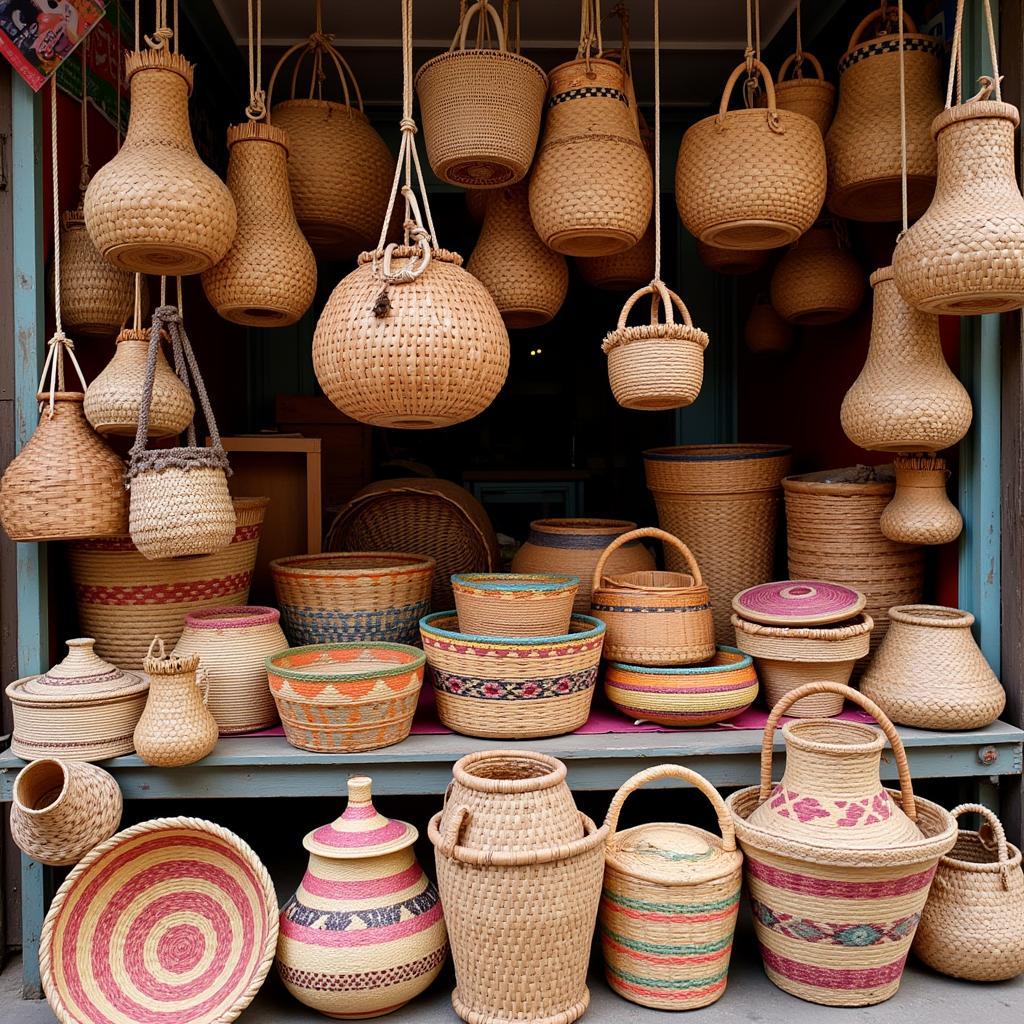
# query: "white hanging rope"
[[657, 140], [903, 126], [257, 109]]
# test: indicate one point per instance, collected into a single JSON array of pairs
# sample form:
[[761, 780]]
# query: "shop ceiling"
[[702, 40]]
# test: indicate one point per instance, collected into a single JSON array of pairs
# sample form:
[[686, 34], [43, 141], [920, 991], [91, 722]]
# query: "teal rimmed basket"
[[514, 604]]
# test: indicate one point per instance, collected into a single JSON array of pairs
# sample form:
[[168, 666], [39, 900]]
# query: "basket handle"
[[153, 643], [483, 8], [316, 45], [655, 533], [996, 828], [823, 686], [877, 16], [674, 771], [661, 295], [769, 90], [455, 822], [798, 72]]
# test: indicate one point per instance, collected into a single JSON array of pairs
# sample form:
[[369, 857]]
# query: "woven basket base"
[[839, 997], [971, 304], [334, 239], [258, 316], [414, 422], [591, 241], [478, 172], [821, 316], [157, 259], [879, 200], [750, 234], [525, 319], [567, 1016]]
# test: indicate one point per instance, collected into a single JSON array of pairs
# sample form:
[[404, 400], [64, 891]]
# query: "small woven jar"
[[732, 262], [920, 511], [62, 809], [973, 923], [176, 727], [766, 331], [930, 673], [817, 282], [268, 276], [813, 97], [657, 365], [233, 645], [112, 400], [156, 208]]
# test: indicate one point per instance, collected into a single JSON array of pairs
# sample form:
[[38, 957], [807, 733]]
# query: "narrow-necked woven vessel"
[[766, 331], [514, 604], [817, 282], [734, 262], [813, 97], [920, 511]]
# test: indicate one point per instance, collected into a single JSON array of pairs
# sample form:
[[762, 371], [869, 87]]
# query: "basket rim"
[[306, 565], [416, 661], [576, 524], [555, 775], [488, 52], [975, 110], [717, 452], [937, 616], [232, 616], [933, 44], [311, 101], [595, 628], [667, 333], [857, 625], [516, 582], [974, 867], [744, 661]]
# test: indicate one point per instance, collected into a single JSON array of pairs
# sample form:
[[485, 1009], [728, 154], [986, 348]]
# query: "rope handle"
[[318, 45], [995, 826], [989, 83], [648, 531], [880, 17], [591, 44], [455, 819], [482, 8], [796, 61], [769, 88], [823, 686], [674, 771], [661, 297], [163, 651]]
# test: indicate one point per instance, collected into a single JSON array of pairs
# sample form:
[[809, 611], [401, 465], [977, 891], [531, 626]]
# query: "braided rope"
[[257, 108]]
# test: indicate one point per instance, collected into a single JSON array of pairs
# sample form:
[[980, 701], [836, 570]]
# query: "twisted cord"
[[657, 140], [83, 183], [257, 108]]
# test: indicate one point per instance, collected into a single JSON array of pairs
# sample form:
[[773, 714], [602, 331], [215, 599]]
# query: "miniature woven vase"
[[591, 188], [930, 673], [156, 208], [813, 97], [817, 282], [61, 809], [176, 727], [364, 932], [733, 262], [65, 484], [526, 279], [268, 277], [973, 923], [752, 178], [863, 143], [407, 369], [920, 511], [113, 399], [906, 398]]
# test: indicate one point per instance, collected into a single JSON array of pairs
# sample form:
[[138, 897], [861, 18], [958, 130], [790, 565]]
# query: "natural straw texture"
[[233, 645], [514, 604], [61, 809], [622, 271], [670, 901], [160, 897], [733, 262], [920, 511], [817, 282], [512, 688], [973, 923], [765, 331], [930, 673], [815, 98]]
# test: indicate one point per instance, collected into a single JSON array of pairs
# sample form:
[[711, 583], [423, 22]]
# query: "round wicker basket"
[[817, 282]]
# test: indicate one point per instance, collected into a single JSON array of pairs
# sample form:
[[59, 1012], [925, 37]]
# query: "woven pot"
[[364, 933], [481, 109], [973, 923], [113, 399], [930, 673], [65, 484], [61, 809], [124, 599], [233, 644], [386, 372], [838, 867], [156, 208], [520, 907], [733, 262], [813, 97], [514, 604], [724, 499], [527, 281], [268, 277], [591, 188], [752, 178], [573, 547], [790, 656], [920, 511], [669, 904], [833, 533], [863, 143], [766, 331], [622, 271], [657, 365], [817, 282]]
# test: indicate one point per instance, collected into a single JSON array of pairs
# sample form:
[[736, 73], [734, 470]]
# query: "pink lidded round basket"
[[798, 603]]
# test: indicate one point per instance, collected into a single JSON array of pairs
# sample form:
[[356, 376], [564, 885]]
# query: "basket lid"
[[361, 831], [798, 603], [82, 673], [671, 853]]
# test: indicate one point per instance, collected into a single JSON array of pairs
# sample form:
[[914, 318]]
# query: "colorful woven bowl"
[[693, 695], [512, 687], [514, 604], [342, 698], [172, 920]]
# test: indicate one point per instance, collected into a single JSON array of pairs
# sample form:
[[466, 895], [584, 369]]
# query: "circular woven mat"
[[798, 603]]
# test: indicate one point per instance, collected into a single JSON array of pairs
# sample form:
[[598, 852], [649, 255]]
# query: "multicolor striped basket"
[[687, 696], [670, 900], [512, 687], [514, 604], [343, 698]]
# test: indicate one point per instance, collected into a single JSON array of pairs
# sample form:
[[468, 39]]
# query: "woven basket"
[[724, 499], [268, 277], [920, 511], [789, 656], [833, 533], [520, 912], [527, 281], [813, 97], [657, 365], [345, 698], [863, 143], [835, 908], [753, 178], [156, 208], [622, 271], [512, 687], [973, 923], [432, 518], [476, 204], [654, 618], [670, 901], [61, 809], [481, 109], [766, 331], [124, 599], [514, 604], [162, 900], [733, 262], [817, 282]]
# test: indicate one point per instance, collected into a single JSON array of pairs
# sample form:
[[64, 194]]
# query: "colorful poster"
[[36, 36]]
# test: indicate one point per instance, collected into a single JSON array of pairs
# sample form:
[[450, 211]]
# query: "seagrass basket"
[[818, 281], [813, 97], [514, 604], [920, 511]]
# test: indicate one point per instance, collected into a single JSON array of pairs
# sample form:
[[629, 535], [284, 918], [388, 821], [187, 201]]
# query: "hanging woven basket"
[[813, 97], [817, 282], [920, 511]]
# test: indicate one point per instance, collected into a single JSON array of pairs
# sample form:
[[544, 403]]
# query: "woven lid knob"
[[360, 790]]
